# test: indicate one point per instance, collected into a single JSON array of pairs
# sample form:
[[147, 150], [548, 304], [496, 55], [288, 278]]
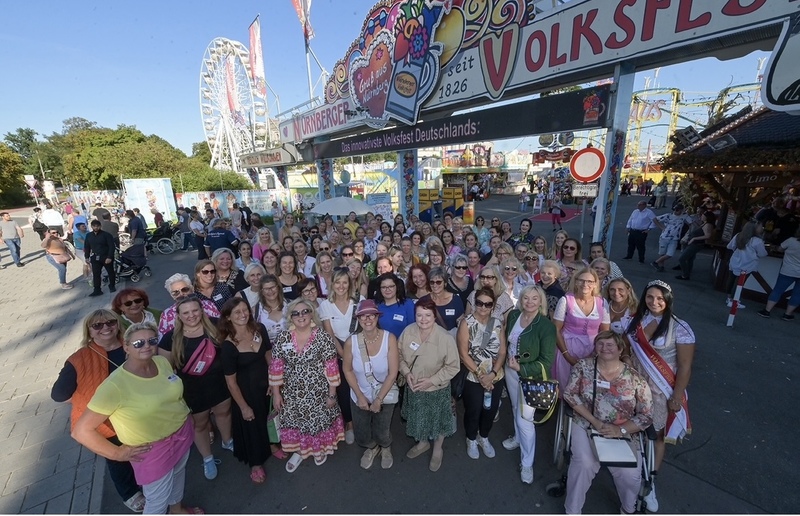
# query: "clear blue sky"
[[138, 63]]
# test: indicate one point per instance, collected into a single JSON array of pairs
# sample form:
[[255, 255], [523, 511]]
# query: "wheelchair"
[[562, 455]]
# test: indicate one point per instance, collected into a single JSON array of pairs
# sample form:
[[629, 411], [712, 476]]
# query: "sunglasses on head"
[[484, 304], [208, 271], [298, 313], [108, 324], [132, 302], [139, 344]]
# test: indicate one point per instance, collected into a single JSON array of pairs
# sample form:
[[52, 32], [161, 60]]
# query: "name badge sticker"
[[449, 311], [398, 317], [414, 346], [218, 297], [172, 378], [603, 384], [287, 290]]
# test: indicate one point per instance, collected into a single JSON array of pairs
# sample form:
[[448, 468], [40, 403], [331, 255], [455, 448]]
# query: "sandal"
[[135, 502], [319, 461], [293, 462], [258, 475], [280, 454]]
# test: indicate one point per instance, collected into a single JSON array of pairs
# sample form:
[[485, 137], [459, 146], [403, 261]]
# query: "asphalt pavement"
[[737, 460]]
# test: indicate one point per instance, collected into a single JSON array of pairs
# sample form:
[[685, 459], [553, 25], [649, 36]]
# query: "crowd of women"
[[286, 347]]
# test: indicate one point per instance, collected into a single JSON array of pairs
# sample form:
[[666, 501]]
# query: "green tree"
[[201, 151], [197, 176], [12, 186]]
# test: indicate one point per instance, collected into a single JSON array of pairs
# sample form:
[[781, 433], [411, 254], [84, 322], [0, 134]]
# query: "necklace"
[[611, 305], [370, 341]]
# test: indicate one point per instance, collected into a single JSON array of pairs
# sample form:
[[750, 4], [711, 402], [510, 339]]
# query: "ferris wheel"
[[234, 123]]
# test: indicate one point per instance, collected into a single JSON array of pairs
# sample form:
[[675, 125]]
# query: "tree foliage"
[[12, 186]]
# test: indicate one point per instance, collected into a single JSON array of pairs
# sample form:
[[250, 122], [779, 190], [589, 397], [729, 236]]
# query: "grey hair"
[[438, 272], [253, 266], [459, 258], [176, 278], [219, 252]]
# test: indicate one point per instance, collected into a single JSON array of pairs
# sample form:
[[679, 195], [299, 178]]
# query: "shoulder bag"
[[394, 392], [538, 395], [458, 381], [609, 451], [202, 358]]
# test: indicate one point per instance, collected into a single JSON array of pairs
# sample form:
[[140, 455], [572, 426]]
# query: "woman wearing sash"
[[662, 351]]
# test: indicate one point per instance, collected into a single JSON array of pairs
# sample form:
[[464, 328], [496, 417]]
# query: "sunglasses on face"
[[299, 313], [570, 247], [460, 267], [531, 258], [208, 271], [347, 254], [436, 282], [487, 278], [132, 302], [139, 344], [324, 248], [484, 304], [108, 324], [510, 268]]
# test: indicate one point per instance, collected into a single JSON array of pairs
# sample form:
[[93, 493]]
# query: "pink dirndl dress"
[[579, 333]]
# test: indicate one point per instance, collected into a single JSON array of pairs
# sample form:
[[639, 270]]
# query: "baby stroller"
[[161, 240], [132, 263]]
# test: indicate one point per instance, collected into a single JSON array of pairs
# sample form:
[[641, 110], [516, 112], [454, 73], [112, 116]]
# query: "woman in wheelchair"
[[612, 398]]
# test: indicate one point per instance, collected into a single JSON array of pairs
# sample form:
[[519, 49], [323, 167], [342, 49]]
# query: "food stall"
[[745, 162]]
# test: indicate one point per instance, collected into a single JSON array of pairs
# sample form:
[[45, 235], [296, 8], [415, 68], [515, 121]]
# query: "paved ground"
[[738, 460]]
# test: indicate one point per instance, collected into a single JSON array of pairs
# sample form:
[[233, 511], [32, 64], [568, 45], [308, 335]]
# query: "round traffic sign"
[[587, 164]]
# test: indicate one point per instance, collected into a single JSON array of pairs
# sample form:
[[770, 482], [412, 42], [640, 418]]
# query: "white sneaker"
[[729, 303], [511, 443], [486, 446], [526, 474], [349, 437], [472, 449], [651, 503]]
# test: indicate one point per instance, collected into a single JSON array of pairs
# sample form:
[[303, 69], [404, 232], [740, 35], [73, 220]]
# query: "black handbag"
[[540, 394]]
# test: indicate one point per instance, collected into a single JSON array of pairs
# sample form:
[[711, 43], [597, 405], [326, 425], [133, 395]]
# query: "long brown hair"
[[177, 334], [225, 329]]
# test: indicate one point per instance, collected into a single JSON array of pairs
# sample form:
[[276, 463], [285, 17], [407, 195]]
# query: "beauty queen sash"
[[678, 423]]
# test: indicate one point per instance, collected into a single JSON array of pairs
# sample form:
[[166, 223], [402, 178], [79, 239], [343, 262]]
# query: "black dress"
[[250, 438], [200, 392]]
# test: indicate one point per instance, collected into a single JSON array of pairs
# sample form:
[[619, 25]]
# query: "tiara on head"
[[659, 283]]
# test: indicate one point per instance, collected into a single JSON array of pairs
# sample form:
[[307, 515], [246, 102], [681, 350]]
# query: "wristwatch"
[[623, 431]]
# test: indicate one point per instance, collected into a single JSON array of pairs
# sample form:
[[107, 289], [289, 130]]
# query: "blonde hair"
[[573, 281], [337, 275], [97, 315], [315, 322], [219, 252], [133, 328], [401, 269], [499, 285], [556, 250], [177, 334], [510, 262], [633, 301], [539, 292]]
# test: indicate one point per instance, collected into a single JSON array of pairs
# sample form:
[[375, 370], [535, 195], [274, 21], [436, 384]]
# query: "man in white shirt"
[[639, 224]]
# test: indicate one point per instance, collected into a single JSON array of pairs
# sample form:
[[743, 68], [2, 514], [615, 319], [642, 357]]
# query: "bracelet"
[[565, 352], [493, 372]]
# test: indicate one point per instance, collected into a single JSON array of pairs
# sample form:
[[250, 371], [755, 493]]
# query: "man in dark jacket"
[[99, 252]]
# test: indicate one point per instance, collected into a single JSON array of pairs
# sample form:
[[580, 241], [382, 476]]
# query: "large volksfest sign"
[[428, 56]]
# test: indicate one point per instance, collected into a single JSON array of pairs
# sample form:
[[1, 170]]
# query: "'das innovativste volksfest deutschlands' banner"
[[150, 195]]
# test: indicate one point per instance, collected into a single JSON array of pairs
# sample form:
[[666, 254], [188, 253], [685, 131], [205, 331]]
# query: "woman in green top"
[[133, 306], [531, 341]]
